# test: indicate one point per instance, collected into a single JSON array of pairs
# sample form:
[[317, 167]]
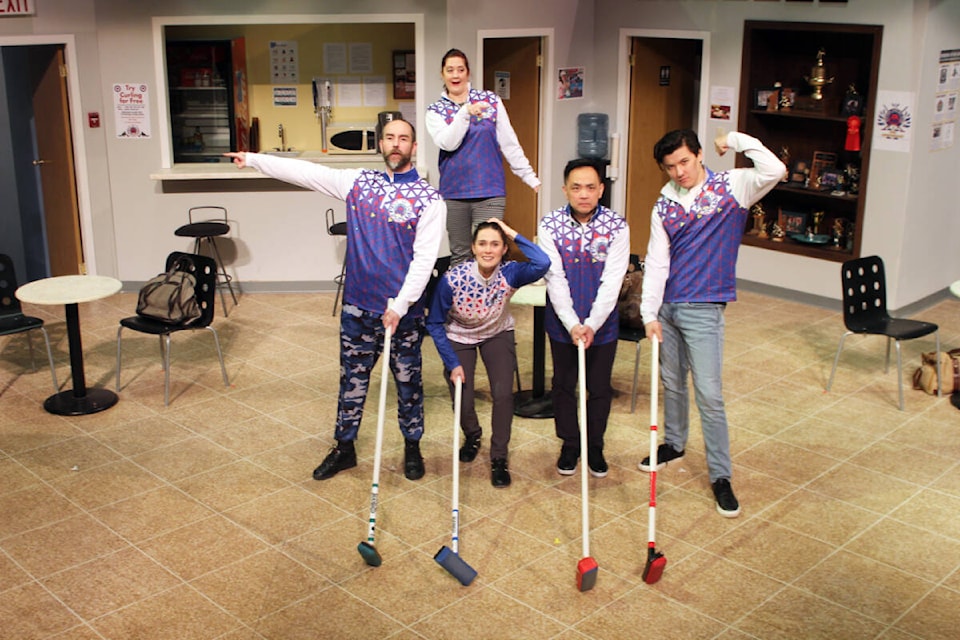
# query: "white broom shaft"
[[378, 446], [654, 389], [455, 507], [584, 490]]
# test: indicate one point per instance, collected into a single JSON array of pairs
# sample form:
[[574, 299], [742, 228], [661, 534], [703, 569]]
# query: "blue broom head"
[[455, 566], [369, 554], [587, 574]]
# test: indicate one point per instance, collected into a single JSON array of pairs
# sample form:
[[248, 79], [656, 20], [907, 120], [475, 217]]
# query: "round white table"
[[537, 402], [70, 291]]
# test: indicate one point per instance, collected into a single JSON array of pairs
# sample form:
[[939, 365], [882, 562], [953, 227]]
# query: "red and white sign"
[[17, 8]]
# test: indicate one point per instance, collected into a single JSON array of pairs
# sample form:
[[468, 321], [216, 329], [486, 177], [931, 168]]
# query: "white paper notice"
[[283, 62], [284, 96], [131, 106], [409, 110], [721, 102], [349, 92], [374, 91], [361, 57], [502, 82], [334, 57], [893, 127]]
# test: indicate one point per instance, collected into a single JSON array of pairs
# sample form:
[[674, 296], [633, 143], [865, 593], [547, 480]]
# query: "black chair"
[[335, 228], [205, 272], [630, 334], [13, 321], [439, 268], [212, 225], [865, 312]]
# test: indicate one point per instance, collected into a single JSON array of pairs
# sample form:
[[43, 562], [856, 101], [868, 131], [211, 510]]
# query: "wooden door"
[[656, 107], [520, 58], [57, 176]]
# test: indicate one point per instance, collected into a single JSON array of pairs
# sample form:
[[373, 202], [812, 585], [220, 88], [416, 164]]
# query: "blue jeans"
[[361, 343], [693, 342]]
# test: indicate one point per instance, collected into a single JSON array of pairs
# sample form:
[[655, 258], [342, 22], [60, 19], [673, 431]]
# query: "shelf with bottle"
[[810, 89]]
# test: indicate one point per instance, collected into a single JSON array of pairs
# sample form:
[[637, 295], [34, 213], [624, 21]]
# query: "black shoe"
[[341, 457], [468, 452], [499, 476], [665, 453], [596, 463], [727, 504], [412, 460], [567, 463]]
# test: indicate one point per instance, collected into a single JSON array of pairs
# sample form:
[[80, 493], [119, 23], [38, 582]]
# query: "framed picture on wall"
[[404, 75]]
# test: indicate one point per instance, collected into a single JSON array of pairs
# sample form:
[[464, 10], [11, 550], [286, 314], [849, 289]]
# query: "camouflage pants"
[[361, 343]]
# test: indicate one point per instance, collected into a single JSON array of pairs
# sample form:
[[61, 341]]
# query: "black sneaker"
[[665, 453], [567, 463], [412, 460], [468, 452], [596, 463], [727, 504], [499, 476], [341, 457]]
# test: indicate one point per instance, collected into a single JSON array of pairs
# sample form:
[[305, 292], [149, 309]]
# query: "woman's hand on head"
[[511, 233]]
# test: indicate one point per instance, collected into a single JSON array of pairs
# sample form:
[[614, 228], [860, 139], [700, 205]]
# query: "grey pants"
[[463, 216], [500, 359]]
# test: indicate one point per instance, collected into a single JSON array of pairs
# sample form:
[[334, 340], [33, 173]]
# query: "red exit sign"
[[17, 8]]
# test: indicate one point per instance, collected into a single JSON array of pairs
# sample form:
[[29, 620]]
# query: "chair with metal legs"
[[204, 270], [633, 334], [335, 228], [865, 312], [210, 224], [12, 319]]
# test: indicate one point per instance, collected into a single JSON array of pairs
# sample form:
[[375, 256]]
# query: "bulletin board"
[[404, 75]]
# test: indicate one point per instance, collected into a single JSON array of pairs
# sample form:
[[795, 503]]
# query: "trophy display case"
[[808, 91]]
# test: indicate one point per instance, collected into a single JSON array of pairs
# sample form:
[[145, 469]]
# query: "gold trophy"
[[818, 77]]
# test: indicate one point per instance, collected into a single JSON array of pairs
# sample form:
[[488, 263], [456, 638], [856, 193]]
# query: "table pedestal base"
[[526, 405], [67, 404]]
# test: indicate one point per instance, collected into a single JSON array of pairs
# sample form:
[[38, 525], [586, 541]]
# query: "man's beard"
[[396, 164]]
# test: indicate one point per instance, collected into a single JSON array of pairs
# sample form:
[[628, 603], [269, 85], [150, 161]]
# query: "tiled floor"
[[201, 520]]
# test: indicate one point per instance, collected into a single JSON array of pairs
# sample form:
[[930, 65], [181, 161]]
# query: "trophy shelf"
[[807, 115], [794, 61]]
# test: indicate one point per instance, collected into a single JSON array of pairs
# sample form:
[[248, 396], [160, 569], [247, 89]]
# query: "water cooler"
[[592, 143]]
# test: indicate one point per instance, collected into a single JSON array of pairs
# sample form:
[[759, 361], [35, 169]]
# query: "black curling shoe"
[[499, 475], [341, 457], [412, 460]]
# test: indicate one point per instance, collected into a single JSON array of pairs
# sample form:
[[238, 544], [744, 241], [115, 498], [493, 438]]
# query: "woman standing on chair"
[[470, 313], [472, 129]]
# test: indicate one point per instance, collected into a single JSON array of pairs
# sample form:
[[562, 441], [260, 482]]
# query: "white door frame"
[[619, 197], [545, 146], [76, 133]]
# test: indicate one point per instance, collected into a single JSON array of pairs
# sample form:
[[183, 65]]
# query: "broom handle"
[[654, 389], [378, 448], [584, 489], [457, 398]]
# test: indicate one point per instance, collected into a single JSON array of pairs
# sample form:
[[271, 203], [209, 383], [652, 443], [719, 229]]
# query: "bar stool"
[[207, 230], [337, 229]]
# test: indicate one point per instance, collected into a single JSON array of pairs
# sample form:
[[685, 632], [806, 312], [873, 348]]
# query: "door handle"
[[37, 163]]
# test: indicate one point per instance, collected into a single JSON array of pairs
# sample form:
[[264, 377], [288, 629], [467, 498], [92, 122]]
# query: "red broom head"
[[587, 574], [656, 563]]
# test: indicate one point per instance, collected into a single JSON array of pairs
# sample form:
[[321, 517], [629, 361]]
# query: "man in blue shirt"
[[395, 223]]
